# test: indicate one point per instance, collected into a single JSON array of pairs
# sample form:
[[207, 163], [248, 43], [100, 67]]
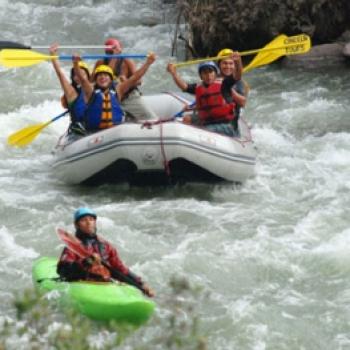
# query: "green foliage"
[[40, 321], [242, 24]]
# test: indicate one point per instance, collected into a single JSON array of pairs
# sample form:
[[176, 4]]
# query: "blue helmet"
[[83, 211], [208, 64]]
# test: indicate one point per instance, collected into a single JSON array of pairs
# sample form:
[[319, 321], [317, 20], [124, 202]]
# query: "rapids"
[[272, 253]]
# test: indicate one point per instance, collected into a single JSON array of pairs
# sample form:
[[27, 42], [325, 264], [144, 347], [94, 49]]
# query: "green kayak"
[[98, 300]]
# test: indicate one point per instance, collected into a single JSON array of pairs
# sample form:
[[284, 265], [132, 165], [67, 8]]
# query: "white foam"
[[13, 251]]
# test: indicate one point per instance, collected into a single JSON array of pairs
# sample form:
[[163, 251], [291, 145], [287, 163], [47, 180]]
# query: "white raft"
[[156, 153]]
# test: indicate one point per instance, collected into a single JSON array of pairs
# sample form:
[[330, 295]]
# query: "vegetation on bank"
[[40, 324], [242, 24]]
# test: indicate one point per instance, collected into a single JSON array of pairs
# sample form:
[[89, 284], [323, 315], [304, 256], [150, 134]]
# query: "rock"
[[345, 37], [245, 25], [346, 50], [151, 21], [318, 57]]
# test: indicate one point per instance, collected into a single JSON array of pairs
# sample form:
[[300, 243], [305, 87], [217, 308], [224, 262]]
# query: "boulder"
[[245, 25], [346, 50], [319, 56]]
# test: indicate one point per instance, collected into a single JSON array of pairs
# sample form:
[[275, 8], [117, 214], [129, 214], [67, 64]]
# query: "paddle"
[[78, 248], [14, 45], [26, 135], [266, 57], [179, 114], [293, 45], [22, 58]]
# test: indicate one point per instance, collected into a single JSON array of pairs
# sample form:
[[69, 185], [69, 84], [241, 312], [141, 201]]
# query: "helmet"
[[83, 211], [84, 66], [112, 42], [209, 64], [104, 69], [225, 52]]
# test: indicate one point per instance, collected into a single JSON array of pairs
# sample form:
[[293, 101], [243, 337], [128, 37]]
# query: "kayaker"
[[123, 68], [72, 98], [104, 108], [72, 268], [230, 73], [212, 110]]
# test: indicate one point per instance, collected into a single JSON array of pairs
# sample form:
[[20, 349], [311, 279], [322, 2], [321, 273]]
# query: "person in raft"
[[104, 108], [72, 98], [73, 268], [123, 68], [213, 111], [230, 67]]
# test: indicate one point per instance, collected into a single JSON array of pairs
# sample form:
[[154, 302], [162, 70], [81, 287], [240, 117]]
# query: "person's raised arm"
[[68, 90], [124, 86], [86, 86], [177, 79], [238, 66], [128, 68]]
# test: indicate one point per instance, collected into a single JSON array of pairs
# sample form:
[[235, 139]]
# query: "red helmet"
[[112, 42]]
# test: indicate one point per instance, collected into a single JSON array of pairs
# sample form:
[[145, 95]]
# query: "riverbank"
[[210, 26]]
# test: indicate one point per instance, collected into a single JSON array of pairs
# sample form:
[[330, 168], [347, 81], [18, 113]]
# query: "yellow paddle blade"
[[293, 45], [26, 135], [21, 58], [263, 58]]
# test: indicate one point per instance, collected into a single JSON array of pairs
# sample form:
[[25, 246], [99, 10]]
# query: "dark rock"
[[244, 25], [345, 37], [151, 21]]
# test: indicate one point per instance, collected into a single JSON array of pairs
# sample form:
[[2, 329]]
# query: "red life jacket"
[[211, 105]]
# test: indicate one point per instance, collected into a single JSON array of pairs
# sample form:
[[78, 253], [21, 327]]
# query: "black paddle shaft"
[[12, 45], [123, 278]]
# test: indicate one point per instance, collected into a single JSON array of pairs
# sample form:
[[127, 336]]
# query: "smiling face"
[[87, 225], [227, 67], [208, 75], [103, 80]]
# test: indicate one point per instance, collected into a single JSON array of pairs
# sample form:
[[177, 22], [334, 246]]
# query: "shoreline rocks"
[[212, 25], [320, 56]]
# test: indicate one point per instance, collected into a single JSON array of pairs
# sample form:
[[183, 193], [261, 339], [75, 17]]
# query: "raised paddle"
[[14, 45], [78, 248], [26, 135], [293, 45], [266, 57], [12, 58]]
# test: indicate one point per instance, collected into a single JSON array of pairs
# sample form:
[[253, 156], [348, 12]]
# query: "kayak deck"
[[102, 301]]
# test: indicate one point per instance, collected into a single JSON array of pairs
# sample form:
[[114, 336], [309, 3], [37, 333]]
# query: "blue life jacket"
[[78, 108], [103, 111]]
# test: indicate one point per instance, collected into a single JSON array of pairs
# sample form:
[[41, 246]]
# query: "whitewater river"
[[273, 254]]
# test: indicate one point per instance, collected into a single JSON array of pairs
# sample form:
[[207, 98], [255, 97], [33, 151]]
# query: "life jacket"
[[212, 106], [72, 267], [103, 111], [78, 108]]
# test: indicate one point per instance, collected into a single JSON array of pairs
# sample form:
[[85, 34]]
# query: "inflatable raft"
[[97, 300], [155, 152]]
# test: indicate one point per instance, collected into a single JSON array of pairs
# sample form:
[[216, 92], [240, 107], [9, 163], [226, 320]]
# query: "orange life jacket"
[[211, 105], [106, 115]]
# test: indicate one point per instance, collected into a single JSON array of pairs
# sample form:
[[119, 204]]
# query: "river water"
[[273, 253]]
